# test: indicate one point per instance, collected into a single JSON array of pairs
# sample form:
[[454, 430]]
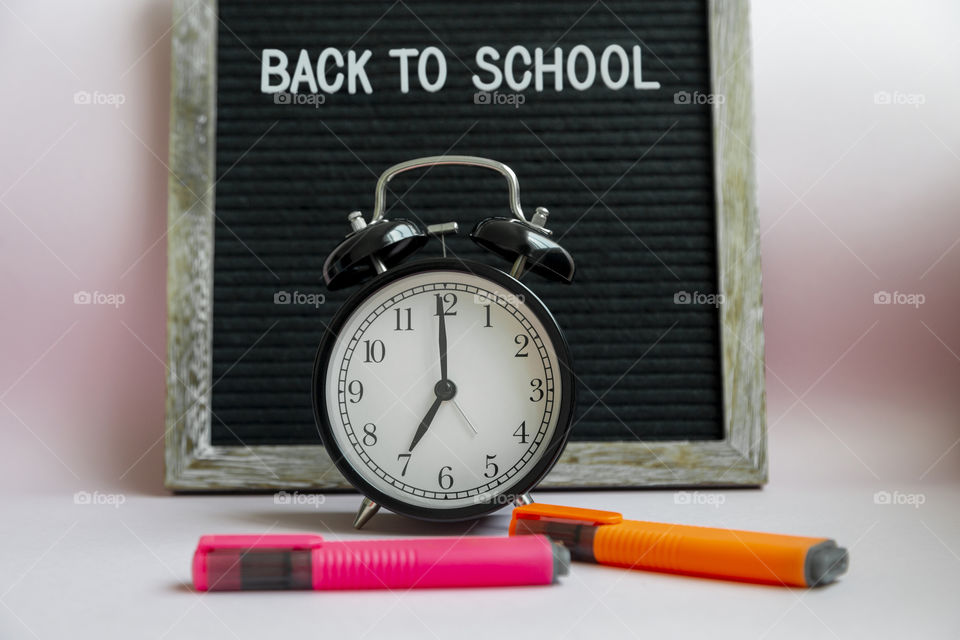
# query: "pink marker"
[[252, 562]]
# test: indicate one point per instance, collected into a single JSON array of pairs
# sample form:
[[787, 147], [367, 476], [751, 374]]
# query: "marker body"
[[224, 563], [605, 538]]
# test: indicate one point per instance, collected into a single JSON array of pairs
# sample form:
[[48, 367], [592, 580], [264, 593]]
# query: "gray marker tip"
[[561, 561], [825, 562]]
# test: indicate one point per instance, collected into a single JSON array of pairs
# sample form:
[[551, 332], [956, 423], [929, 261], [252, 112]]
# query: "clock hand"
[[457, 405], [445, 389], [443, 338], [425, 423]]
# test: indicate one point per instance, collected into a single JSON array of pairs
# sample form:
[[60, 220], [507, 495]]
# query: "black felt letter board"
[[626, 173]]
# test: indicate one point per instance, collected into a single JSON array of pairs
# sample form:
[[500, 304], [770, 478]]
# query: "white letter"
[[329, 52], [556, 68], [605, 67], [638, 82], [515, 51], [441, 71], [356, 71], [303, 72], [404, 55], [576, 52], [482, 54], [269, 68]]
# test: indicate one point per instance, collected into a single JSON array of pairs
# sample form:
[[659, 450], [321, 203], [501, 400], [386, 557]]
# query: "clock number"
[[444, 479], [450, 299], [521, 432], [409, 315], [356, 390], [369, 434], [523, 341], [487, 323], [537, 385], [492, 468], [376, 350], [406, 463]]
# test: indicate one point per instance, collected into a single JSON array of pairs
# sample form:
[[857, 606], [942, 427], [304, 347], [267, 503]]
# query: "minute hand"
[[443, 338]]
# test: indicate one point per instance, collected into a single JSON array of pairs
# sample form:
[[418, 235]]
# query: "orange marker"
[[606, 538]]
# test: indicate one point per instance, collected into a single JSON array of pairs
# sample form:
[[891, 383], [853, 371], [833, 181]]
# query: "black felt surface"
[[289, 174]]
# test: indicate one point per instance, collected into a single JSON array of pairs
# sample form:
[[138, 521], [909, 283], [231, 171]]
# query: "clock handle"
[[513, 185]]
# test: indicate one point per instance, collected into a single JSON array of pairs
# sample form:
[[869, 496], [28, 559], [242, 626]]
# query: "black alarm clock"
[[443, 388]]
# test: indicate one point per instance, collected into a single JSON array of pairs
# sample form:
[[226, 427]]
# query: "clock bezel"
[[565, 404]]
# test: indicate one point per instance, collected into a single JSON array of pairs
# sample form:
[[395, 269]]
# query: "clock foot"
[[367, 510], [522, 499]]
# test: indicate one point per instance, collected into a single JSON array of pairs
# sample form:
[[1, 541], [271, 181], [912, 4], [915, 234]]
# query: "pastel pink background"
[[854, 198]]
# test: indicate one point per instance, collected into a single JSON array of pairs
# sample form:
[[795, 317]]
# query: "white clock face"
[[434, 441]]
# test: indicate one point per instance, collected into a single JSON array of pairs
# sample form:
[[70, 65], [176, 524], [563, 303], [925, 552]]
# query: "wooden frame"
[[193, 463]]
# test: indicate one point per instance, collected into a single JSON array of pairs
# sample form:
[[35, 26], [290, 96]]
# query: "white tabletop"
[[119, 567], [123, 571]]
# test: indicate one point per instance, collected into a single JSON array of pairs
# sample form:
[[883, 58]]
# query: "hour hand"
[[425, 423]]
